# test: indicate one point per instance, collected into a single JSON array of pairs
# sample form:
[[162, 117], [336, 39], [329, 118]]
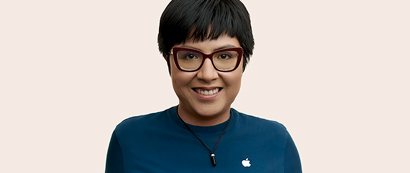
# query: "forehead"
[[210, 32], [223, 41]]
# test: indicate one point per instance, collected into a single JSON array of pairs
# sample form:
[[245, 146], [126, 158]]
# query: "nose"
[[207, 72]]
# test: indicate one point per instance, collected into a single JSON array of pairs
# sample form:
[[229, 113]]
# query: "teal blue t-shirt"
[[160, 142]]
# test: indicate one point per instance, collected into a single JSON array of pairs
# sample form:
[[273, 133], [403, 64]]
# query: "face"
[[197, 104]]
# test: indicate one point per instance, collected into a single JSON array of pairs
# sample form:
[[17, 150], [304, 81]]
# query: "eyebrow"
[[219, 48]]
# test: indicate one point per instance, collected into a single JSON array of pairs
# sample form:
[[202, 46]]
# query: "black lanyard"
[[212, 151]]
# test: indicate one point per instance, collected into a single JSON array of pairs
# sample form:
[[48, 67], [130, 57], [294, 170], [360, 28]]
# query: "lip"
[[207, 97]]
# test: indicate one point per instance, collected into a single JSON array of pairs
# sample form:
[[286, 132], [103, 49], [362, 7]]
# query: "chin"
[[210, 110]]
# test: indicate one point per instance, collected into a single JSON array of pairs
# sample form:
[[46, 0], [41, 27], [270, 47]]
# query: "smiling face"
[[205, 96]]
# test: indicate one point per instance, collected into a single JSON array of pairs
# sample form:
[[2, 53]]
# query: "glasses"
[[224, 60]]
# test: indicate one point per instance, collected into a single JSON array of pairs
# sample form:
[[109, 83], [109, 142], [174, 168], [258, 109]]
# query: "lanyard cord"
[[212, 151]]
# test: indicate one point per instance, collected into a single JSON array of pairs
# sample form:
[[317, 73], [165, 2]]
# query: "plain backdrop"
[[335, 73]]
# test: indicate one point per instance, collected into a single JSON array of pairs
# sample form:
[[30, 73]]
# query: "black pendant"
[[213, 159]]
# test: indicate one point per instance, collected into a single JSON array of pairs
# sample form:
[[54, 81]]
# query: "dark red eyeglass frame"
[[237, 49]]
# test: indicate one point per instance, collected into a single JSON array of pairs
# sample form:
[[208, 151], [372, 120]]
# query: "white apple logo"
[[246, 163]]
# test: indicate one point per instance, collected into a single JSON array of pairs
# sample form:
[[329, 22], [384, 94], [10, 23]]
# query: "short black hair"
[[202, 20]]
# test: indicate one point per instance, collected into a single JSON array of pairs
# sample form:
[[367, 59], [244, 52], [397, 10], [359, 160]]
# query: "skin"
[[197, 109]]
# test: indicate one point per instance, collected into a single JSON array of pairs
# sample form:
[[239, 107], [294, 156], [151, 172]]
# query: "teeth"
[[207, 92]]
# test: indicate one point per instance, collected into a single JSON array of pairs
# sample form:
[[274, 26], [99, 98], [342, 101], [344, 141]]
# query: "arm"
[[114, 163], [291, 158]]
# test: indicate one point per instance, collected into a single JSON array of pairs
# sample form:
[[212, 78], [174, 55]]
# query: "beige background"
[[336, 73]]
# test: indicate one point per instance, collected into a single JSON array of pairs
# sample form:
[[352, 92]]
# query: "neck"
[[193, 118]]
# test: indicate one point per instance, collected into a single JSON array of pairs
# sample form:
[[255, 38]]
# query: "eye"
[[190, 56], [225, 56]]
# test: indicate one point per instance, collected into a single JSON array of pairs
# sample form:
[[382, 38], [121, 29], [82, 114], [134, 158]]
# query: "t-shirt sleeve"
[[114, 163], [291, 158]]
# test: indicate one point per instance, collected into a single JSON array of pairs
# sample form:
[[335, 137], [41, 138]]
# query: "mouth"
[[207, 91]]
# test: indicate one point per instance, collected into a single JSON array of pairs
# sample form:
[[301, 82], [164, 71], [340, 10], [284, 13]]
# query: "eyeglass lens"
[[223, 61]]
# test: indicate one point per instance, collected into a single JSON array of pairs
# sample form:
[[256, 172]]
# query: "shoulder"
[[261, 125], [142, 122]]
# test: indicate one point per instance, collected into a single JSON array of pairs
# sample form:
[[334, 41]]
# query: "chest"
[[183, 152]]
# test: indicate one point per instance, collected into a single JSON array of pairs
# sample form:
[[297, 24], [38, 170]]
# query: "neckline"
[[209, 129], [212, 151], [202, 129]]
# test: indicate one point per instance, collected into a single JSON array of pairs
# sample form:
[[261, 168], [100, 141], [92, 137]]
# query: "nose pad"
[[207, 72]]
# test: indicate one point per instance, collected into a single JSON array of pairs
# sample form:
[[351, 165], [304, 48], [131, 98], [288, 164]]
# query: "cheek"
[[180, 80], [233, 80], [237, 81]]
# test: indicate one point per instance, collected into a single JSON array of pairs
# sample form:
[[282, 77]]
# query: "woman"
[[207, 44]]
